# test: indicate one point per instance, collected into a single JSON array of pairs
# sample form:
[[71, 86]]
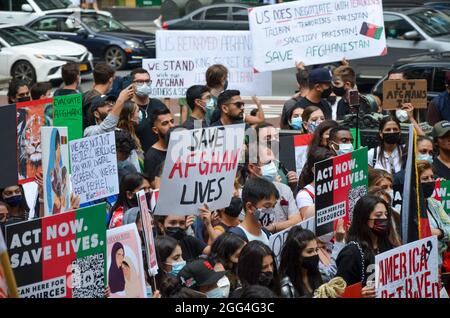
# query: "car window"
[[45, 5], [420, 73], [432, 22], [21, 35], [220, 13], [101, 23], [239, 14], [17, 4], [47, 24], [70, 25], [396, 26], [439, 80], [198, 16]]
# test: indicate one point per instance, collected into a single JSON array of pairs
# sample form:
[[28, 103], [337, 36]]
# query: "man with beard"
[[162, 121], [231, 106]]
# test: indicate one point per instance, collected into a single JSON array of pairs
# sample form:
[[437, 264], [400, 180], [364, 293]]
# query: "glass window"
[[220, 13], [52, 4], [17, 4], [70, 25], [198, 16], [239, 14], [5, 5], [48, 24], [432, 22], [421, 73], [100, 23], [439, 80], [396, 26], [20, 36]]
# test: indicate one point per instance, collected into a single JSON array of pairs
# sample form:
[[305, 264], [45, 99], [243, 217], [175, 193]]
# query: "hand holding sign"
[[205, 214], [74, 202], [339, 234], [368, 291]]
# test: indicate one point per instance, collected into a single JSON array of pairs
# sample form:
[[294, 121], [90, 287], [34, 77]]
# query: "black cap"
[[199, 273], [99, 101], [320, 75]]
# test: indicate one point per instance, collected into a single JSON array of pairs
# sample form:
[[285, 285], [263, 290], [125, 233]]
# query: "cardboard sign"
[[277, 240], [8, 132], [233, 49], [126, 277], [61, 255], [408, 271], [68, 113], [31, 116], [147, 227], [396, 93], [339, 183], [170, 78], [55, 149], [200, 168], [315, 32], [94, 167]]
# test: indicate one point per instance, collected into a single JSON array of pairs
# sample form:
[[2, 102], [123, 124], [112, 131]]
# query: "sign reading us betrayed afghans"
[[171, 78], [59, 256], [68, 113], [339, 183], [408, 271], [396, 93], [233, 49], [316, 32], [200, 168], [94, 167]]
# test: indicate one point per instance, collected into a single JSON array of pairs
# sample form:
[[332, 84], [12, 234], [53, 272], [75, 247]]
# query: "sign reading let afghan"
[[396, 93]]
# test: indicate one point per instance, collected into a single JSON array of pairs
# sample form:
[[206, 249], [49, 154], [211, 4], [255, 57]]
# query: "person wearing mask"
[[41, 90], [162, 122], [439, 107], [312, 117], [370, 234], [388, 155], [425, 149], [231, 106], [383, 179], [105, 110], [18, 209], [18, 91], [71, 76], [341, 140], [103, 81], [299, 265], [200, 275], [294, 118], [437, 217], [320, 89], [259, 198], [147, 107], [441, 163], [321, 136], [200, 101], [256, 266], [169, 257]]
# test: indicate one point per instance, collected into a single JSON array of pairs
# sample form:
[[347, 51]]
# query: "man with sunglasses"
[[231, 108]]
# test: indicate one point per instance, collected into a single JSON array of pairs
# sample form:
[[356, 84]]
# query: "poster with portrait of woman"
[[55, 151], [125, 267]]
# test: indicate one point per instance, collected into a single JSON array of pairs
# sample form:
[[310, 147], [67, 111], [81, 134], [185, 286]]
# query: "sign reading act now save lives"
[[315, 32]]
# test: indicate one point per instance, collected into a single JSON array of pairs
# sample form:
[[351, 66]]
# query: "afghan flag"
[[414, 216], [63, 255], [339, 183], [293, 151], [371, 30], [8, 288]]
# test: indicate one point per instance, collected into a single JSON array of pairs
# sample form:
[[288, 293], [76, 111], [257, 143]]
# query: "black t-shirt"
[[189, 123], [440, 169], [152, 162], [343, 108], [323, 105], [144, 130], [191, 248], [63, 91]]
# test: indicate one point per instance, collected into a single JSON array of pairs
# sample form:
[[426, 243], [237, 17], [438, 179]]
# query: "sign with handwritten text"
[[233, 49], [94, 167], [68, 113], [396, 93], [316, 32]]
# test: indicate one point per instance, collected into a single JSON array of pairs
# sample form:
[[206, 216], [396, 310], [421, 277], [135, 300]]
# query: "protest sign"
[[408, 271], [147, 228], [59, 256], [68, 113], [315, 32], [353, 291], [277, 240], [200, 168], [8, 131], [31, 116], [8, 288], [396, 93], [170, 78], [339, 183], [94, 167], [442, 194], [233, 49], [126, 277], [55, 151]]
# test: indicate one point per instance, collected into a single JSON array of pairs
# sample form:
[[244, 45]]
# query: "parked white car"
[[23, 11], [27, 54]]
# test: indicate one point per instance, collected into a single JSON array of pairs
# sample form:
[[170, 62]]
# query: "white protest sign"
[[315, 32], [170, 78], [147, 226], [408, 271], [230, 48], [277, 240], [94, 167], [200, 168]]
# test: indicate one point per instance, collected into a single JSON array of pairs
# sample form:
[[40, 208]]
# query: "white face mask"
[[344, 148], [143, 90], [402, 115], [210, 104], [224, 285]]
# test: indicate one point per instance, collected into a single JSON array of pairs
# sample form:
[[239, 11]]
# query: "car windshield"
[[433, 22], [100, 23], [20, 36], [46, 5]]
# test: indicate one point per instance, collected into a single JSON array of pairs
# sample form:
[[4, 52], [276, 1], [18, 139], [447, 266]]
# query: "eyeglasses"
[[237, 104], [143, 82]]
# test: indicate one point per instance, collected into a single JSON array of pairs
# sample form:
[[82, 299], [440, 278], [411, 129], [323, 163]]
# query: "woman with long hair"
[[312, 116], [170, 259]]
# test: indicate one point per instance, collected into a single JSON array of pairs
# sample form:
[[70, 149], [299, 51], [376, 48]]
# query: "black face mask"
[[235, 208], [265, 279], [380, 227], [326, 93], [332, 99], [339, 91], [391, 138], [311, 263], [24, 99], [427, 189], [176, 232]]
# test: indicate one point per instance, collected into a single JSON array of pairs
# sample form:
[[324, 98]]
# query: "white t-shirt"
[[390, 162], [262, 237], [304, 198]]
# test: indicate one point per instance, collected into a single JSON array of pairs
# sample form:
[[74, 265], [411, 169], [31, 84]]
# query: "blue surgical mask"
[[176, 268], [269, 171], [344, 148], [425, 157], [313, 126], [297, 123], [215, 293], [210, 104], [143, 90]]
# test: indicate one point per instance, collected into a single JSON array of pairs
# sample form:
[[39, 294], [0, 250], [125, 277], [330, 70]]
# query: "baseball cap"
[[99, 101], [320, 75], [441, 128], [199, 273]]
